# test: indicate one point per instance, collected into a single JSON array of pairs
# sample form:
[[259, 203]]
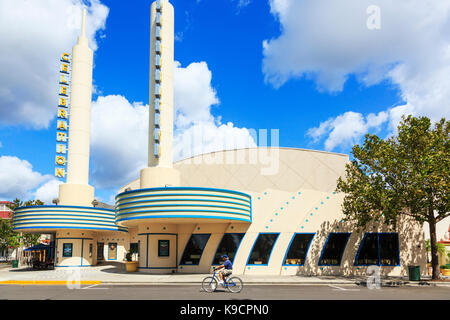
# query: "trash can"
[[15, 263], [414, 273]]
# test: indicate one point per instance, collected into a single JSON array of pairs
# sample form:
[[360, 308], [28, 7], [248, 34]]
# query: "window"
[[296, 254], [156, 150], [157, 89], [112, 251], [158, 32], [158, 46], [229, 245], [90, 250], [368, 250], [157, 120], [134, 248], [158, 18], [158, 61], [157, 135], [163, 248], [262, 248], [194, 249], [379, 249], [67, 249], [334, 249], [157, 105]]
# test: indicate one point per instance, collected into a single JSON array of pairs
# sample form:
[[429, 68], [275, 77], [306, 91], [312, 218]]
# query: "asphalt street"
[[249, 292]]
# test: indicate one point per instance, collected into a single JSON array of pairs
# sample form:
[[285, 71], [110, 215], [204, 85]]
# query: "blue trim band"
[[181, 194], [155, 211], [184, 188], [164, 200], [64, 227], [181, 217], [91, 208], [185, 205]]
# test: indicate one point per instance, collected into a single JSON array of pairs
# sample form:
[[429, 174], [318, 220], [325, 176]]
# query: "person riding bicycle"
[[227, 266]]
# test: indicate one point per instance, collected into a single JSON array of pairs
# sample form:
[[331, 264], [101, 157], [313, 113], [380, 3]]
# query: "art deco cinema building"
[[181, 217]]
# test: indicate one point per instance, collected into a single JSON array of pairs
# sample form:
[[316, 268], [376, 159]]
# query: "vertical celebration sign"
[[62, 126]]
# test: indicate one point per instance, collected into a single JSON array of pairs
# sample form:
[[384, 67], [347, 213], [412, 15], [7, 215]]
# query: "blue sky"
[[268, 64]]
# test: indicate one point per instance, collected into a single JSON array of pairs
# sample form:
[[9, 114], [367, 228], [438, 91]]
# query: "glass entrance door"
[[100, 248]]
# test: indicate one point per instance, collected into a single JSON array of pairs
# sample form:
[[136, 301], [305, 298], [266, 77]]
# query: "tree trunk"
[[433, 242]]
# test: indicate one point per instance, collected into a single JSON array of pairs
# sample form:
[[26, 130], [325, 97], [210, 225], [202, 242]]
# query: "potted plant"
[[131, 265], [441, 250], [445, 270]]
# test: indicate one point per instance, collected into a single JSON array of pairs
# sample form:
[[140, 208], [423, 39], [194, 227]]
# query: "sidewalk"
[[108, 274]]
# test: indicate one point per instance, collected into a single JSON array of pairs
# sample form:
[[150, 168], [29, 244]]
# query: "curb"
[[47, 283]]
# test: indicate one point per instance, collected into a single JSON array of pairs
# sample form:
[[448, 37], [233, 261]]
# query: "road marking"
[[343, 289], [94, 285]]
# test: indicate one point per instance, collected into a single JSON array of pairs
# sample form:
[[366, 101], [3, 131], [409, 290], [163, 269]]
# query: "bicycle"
[[233, 284]]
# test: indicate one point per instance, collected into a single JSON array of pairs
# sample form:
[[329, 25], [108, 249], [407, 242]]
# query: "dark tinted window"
[[229, 245], [334, 249], [379, 249], [389, 250], [262, 249], [368, 251], [194, 249], [299, 248]]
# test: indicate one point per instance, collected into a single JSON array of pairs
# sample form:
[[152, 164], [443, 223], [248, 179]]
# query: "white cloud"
[[346, 129], [327, 41], [193, 94], [118, 141], [209, 136], [119, 137], [48, 191], [196, 129], [33, 35], [17, 178]]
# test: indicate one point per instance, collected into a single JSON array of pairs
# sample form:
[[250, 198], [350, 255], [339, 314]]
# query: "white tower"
[[77, 190], [160, 172]]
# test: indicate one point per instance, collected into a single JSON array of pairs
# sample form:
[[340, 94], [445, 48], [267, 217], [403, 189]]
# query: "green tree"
[[404, 175], [440, 248], [11, 239]]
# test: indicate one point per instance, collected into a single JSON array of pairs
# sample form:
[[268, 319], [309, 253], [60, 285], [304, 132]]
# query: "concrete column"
[[160, 172], [77, 190]]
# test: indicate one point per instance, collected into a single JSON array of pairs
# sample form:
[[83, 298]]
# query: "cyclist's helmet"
[[224, 256]]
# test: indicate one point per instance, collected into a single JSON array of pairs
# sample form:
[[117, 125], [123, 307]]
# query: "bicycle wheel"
[[235, 285], [209, 284]]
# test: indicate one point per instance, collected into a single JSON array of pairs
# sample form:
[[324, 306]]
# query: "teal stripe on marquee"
[[185, 205], [65, 217], [182, 194], [165, 200], [184, 188]]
